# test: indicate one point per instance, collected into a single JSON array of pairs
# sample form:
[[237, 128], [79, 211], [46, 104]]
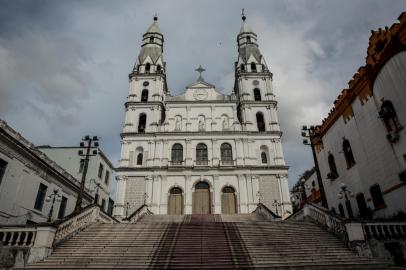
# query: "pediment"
[[200, 84]]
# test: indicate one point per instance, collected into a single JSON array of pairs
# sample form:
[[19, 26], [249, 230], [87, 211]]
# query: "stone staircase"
[[205, 241]]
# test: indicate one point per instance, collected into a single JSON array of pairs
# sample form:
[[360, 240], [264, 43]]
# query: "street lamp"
[[276, 204], [54, 197], [309, 133], [91, 142]]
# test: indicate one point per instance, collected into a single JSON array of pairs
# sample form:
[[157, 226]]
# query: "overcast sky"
[[64, 65]]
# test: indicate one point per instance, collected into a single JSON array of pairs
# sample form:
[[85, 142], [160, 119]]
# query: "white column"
[[215, 153], [239, 152], [188, 195], [217, 194], [120, 198], [243, 192], [188, 153]]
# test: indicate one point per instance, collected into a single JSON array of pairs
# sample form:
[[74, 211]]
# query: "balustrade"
[[17, 237], [387, 230], [227, 162]]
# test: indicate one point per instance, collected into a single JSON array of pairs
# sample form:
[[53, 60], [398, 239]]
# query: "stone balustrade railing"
[[81, 221], [138, 214], [323, 217], [17, 236], [384, 230]]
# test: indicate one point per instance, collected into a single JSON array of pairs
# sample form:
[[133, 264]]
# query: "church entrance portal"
[[228, 201], [175, 201], [201, 199]]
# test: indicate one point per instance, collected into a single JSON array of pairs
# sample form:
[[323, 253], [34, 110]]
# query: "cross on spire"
[[155, 16], [200, 69], [243, 15]]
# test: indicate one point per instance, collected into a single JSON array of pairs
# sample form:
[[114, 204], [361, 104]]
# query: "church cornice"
[[262, 102], [234, 101], [202, 133], [141, 104], [192, 168]]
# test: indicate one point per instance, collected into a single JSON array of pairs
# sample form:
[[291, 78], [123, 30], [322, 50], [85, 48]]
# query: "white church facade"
[[201, 151]]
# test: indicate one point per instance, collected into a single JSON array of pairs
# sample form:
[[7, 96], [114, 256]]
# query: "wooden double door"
[[175, 204], [201, 201], [228, 203]]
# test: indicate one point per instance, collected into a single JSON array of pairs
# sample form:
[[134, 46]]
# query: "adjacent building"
[[99, 172], [201, 151], [361, 144], [306, 190], [27, 178]]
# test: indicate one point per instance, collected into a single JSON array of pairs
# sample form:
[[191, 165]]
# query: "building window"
[[177, 153], [142, 123], [103, 205], [333, 174], [349, 157], [349, 208], [158, 68], [39, 201], [226, 152], [257, 94], [62, 207], [242, 67], [377, 197], [151, 39], [3, 166], [389, 116], [201, 152], [144, 95], [264, 158], [253, 67], [96, 198], [248, 39], [106, 177], [81, 165], [333, 210], [147, 68], [100, 173], [139, 159], [362, 205], [260, 122], [341, 210]]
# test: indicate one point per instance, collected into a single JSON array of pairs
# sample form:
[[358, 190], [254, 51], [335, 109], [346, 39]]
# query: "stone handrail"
[[138, 214], [323, 217], [80, 221], [18, 236], [384, 230]]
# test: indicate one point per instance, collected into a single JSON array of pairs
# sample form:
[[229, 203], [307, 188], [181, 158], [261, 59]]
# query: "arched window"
[[202, 185], [151, 39], [242, 67], [228, 189], [177, 153], [349, 157], [248, 39], [201, 154], [349, 208], [144, 95], [362, 205], [341, 210], [176, 190], [389, 116], [333, 174], [158, 68], [142, 123], [260, 122], [226, 153], [264, 158], [139, 158], [253, 67], [147, 68], [377, 197], [257, 94]]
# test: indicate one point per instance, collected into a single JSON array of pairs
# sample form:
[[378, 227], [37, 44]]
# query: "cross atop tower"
[[243, 15], [200, 69]]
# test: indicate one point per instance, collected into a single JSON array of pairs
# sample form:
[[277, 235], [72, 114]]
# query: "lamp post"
[[346, 193], [54, 197], [276, 204], [91, 142], [309, 133]]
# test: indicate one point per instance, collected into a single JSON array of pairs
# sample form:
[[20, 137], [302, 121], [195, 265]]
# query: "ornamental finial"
[[243, 15]]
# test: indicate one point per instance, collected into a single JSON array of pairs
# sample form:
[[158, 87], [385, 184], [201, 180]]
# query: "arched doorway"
[[175, 201], [228, 201], [201, 199]]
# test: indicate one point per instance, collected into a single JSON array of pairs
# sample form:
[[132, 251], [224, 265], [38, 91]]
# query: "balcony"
[[227, 163], [202, 163], [176, 163]]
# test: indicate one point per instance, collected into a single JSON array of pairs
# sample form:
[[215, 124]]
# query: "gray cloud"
[[64, 64]]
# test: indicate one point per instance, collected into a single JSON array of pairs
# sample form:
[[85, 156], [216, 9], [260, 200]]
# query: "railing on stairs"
[[138, 214], [79, 222], [322, 217]]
